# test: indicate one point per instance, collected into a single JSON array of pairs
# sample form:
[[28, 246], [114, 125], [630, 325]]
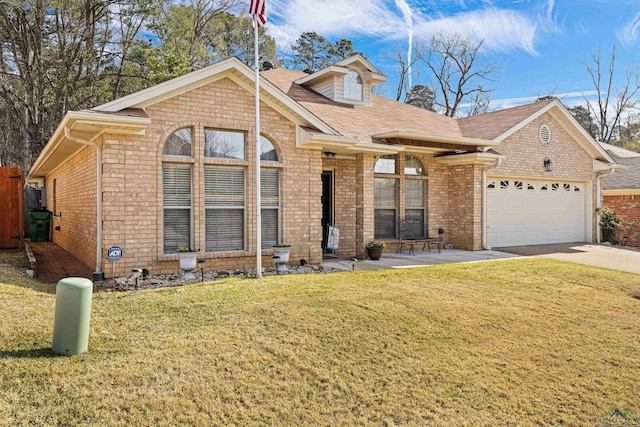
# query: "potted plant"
[[188, 262], [375, 249]]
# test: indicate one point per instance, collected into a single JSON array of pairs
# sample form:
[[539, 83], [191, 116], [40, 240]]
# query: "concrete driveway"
[[614, 257]]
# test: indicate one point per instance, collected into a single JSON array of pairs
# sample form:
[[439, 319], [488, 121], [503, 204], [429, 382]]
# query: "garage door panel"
[[529, 212]]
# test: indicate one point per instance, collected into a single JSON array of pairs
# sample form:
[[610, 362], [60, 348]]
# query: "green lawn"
[[518, 342]]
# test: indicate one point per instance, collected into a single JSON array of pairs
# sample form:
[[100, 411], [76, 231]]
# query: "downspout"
[[599, 176], [98, 275], [484, 201]]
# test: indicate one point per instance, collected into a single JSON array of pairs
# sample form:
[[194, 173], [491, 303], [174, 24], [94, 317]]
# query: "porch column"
[[364, 202]]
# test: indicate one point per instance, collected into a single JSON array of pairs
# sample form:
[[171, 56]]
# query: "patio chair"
[[410, 237]]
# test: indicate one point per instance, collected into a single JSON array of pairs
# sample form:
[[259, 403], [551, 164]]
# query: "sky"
[[536, 43]]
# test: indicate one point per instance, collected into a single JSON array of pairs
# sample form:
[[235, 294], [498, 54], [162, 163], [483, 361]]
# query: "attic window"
[[544, 133], [353, 86]]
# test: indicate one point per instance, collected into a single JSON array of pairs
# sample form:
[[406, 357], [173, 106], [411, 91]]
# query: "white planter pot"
[[283, 253], [188, 262], [281, 258]]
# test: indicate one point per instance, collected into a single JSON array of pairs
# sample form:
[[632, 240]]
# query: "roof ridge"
[[543, 102]]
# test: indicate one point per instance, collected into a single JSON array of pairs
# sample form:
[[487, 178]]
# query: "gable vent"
[[544, 133]]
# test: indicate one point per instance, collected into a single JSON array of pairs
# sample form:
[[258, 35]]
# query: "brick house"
[[621, 191], [171, 166]]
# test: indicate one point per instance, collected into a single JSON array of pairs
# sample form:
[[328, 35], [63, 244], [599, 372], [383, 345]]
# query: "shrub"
[[373, 245]]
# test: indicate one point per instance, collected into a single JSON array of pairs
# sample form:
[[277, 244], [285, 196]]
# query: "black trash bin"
[[40, 224]]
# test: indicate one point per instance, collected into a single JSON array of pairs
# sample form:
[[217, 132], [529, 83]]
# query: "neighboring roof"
[[362, 122], [618, 152], [624, 179], [491, 125]]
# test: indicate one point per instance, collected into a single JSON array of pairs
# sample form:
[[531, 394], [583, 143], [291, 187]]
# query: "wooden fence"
[[11, 208]]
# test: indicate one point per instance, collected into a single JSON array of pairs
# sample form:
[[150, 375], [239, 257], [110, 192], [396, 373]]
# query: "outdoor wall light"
[[330, 154], [548, 165]]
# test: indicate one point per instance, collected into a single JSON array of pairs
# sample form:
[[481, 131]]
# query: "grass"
[[518, 342]]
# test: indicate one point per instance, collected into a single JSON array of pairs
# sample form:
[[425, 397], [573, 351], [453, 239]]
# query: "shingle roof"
[[616, 151], [491, 125], [626, 179], [362, 121]]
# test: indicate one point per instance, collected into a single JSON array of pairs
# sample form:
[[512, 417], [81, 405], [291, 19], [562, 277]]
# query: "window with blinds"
[[224, 200], [385, 201], [414, 204], [176, 201], [270, 204]]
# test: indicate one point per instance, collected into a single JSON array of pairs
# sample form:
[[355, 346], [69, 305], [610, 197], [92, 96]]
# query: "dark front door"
[[327, 205]]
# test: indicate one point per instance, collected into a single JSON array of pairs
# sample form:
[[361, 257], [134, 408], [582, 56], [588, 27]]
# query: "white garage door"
[[531, 212]]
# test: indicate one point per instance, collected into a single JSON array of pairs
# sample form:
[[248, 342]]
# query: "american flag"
[[258, 11]]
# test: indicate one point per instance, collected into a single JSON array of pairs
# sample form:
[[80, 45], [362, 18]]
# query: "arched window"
[[413, 166], [269, 194], [353, 86], [385, 164], [176, 192], [268, 151], [179, 143]]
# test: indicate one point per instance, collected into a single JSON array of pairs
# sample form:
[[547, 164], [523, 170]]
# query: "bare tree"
[[398, 56], [459, 71], [479, 103], [49, 63], [612, 102]]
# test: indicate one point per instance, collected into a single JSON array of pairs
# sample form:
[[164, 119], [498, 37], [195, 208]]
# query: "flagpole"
[[258, 200]]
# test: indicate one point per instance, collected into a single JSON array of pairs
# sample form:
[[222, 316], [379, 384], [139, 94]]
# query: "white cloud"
[[502, 30], [630, 33], [333, 18], [570, 99]]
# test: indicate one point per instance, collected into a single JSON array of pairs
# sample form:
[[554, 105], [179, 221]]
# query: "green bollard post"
[[73, 313]]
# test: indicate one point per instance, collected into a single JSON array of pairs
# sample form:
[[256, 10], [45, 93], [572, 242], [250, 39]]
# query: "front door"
[[327, 205]]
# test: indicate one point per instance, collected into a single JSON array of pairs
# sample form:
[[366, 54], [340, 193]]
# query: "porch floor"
[[391, 259]]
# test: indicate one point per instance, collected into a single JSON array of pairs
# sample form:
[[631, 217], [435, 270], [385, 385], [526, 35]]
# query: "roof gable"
[[372, 75], [499, 125], [231, 68]]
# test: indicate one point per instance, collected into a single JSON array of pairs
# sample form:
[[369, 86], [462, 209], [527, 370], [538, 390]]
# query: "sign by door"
[[333, 238]]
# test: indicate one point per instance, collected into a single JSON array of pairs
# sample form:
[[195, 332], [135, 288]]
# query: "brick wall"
[[75, 206], [626, 207], [525, 154], [133, 181]]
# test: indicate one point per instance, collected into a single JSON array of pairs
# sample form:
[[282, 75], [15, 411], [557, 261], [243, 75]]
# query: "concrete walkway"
[[54, 263], [420, 259], [613, 257]]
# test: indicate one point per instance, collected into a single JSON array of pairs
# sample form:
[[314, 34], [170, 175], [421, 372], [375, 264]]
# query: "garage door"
[[531, 212]]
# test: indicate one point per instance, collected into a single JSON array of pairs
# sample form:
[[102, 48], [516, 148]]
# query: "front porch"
[[390, 259], [369, 196]]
